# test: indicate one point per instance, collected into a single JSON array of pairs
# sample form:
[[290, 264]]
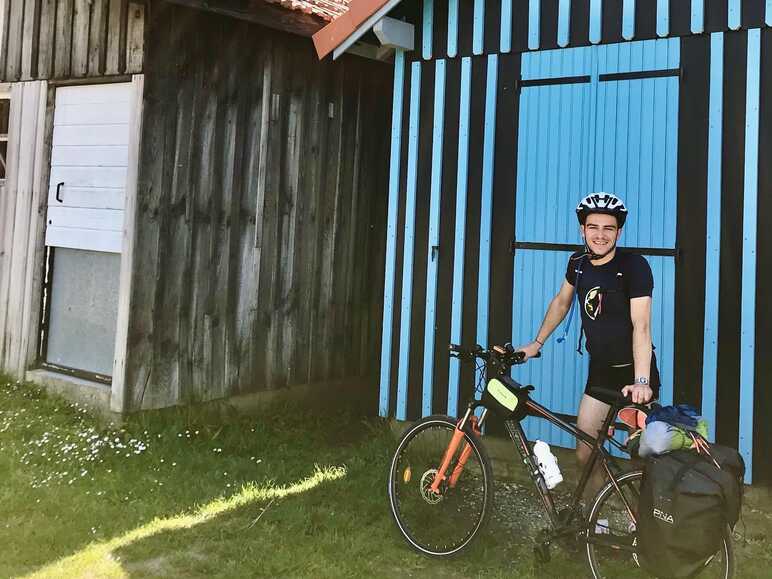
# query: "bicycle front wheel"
[[441, 524], [612, 537]]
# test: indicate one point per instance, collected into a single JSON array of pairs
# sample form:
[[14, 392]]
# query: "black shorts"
[[604, 374]]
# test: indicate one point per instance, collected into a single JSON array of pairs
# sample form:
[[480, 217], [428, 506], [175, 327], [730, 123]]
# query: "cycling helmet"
[[601, 202]]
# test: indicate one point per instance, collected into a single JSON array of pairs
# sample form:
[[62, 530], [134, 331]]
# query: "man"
[[613, 290]]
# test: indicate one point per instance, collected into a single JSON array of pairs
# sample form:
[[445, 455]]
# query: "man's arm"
[[640, 314], [556, 311]]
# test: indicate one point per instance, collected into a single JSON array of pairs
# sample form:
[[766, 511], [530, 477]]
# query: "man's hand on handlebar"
[[531, 350], [638, 393]]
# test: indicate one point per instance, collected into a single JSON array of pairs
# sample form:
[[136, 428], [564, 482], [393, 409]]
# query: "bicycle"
[[441, 478]]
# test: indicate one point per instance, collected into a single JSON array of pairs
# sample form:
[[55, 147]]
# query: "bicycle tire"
[[439, 527], [605, 562]]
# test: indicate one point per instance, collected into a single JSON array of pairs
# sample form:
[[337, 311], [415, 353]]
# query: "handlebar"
[[505, 354]]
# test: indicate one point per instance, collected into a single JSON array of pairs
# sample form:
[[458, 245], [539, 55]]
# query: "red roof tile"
[[327, 9]]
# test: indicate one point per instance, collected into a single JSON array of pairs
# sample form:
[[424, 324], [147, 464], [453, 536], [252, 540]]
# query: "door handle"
[[58, 192]]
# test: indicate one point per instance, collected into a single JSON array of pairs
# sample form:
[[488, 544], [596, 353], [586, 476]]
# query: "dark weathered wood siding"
[[260, 214], [62, 39]]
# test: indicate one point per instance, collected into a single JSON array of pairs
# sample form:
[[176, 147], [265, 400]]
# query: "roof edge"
[[339, 30]]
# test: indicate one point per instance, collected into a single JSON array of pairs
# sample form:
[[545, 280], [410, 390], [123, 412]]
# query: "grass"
[[291, 493]]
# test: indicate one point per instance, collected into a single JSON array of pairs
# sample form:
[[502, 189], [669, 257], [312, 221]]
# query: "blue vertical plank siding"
[[505, 33], [452, 28], [486, 207], [434, 236], [534, 13], [409, 240], [734, 16], [457, 302], [698, 16], [596, 20], [628, 19], [391, 231], [478, 32], [750, 217], [663, 17], [713, 241], [428, 26], [564, 22]]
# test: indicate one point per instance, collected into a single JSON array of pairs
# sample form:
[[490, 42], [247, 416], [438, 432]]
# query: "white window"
[[5, 110]]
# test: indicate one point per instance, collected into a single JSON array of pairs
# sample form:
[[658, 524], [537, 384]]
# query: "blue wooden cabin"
[[505, 114]]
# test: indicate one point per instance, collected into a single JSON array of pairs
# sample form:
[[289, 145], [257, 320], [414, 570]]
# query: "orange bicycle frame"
[[450, 452]]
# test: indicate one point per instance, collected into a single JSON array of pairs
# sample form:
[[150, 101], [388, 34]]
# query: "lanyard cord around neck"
[[567, 325]]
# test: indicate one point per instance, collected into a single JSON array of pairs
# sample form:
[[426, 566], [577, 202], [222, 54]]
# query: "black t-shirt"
[[604, 301]]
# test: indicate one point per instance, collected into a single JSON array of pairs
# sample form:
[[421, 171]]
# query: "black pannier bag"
[[685, 507]]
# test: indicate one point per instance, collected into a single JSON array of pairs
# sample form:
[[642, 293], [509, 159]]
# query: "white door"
[[86, 199]]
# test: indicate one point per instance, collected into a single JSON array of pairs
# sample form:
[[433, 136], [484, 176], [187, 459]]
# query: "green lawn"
[[290, 493]]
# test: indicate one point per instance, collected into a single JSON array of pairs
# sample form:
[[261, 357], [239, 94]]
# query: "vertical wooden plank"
[[30, 36], [5, 16], [47, 39], [80, 33], [257, 356], [30, 331], [166, 296], [14, 44], [322, 362], [97, 42], [224, 360], [312, 158], [749, 261], [116, 37], [27, 135], [246, 307], [9, 217], [286, 314], [63, 44], [345, 362], [713, 243], [135, 37], [189, 314], [534, 11], [202, 273]]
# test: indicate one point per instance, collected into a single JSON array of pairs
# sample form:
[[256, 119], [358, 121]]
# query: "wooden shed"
[[506, 114], [193, 207]]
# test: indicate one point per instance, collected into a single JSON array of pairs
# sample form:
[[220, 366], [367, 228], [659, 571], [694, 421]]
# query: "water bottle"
[[548, 464]]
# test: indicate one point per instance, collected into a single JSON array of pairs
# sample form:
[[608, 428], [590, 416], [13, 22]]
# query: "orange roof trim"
[[326, 9], [337, 31]]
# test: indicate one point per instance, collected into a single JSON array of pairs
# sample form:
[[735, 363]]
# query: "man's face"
[[601, 233]]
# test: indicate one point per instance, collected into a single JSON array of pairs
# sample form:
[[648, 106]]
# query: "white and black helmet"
[[601, 202]]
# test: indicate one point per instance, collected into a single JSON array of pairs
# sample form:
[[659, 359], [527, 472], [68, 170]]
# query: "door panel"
[[582, 131], [86, 199]]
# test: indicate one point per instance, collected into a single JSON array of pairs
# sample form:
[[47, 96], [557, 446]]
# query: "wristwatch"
[[642, 380]]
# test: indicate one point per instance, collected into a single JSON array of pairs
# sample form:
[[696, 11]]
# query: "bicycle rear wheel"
[[612, 538], [439, 525]]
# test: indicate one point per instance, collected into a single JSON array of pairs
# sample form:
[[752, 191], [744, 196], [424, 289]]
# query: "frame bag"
[[688, 500]]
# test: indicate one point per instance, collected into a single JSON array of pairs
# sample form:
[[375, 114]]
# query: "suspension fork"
[[450, 452]]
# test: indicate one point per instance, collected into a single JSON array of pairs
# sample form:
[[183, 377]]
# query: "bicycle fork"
[[450, 452]]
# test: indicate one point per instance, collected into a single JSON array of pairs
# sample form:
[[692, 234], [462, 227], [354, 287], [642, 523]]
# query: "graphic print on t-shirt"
[[592, 301]]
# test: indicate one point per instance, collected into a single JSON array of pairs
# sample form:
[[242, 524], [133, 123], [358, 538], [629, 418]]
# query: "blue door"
[[597, 118]]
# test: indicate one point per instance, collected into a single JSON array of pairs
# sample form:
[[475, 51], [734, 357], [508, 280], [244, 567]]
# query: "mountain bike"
[[441, 479]]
